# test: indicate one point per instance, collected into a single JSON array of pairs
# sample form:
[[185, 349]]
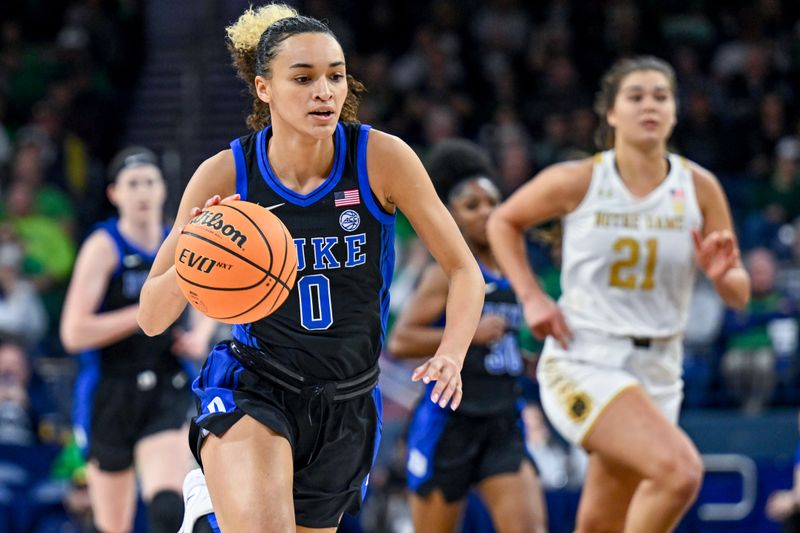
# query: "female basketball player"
[[481, 444], [132, 395], [289, 416], [636, 220]]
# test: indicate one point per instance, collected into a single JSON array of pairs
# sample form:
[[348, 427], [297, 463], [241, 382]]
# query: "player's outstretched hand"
[[445, 370], [214, 200], [545, 319], [716, 253]]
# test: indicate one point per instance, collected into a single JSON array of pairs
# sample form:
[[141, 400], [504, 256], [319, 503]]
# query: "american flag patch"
[[343, 198]]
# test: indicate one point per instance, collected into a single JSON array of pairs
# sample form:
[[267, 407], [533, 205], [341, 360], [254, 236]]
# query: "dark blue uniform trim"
[[241, 168], [378, 401], [490, 277], [363, 180], [387, 271], [85, 386], [124, 246], [212, 521], [426, 429], [241, 333], [219, 369], [303, 200]]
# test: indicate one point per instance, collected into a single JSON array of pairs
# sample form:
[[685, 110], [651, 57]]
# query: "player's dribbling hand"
[[445, 370], [214, 200], [545, 319], [716, 253]]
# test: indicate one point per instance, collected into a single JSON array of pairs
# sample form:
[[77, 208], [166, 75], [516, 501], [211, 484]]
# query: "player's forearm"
[[414, 341], [463, 311], [97, 331], [161, 302], [508, 247], [734, 288]]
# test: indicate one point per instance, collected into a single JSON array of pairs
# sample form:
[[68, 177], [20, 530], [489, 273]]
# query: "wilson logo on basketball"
[[215, 221], [199, 262]]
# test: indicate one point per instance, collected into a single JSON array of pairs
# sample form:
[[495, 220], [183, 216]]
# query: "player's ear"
[[111, 193], [611, 118], [263, 89]]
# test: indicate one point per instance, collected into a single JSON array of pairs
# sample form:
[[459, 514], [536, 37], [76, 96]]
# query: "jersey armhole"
[[597, 163], [370, 200], [241, 168], [691, 185], [112, 231]]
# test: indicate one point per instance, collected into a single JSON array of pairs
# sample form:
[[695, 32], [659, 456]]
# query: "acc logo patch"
[[349, 220], [578, 406]]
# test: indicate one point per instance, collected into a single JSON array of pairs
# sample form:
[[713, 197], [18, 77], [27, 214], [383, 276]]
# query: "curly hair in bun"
[[254, 41]]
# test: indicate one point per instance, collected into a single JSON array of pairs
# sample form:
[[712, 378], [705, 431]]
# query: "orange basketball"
[[236, 262]]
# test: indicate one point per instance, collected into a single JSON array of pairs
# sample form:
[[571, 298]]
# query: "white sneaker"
[[196, 500]]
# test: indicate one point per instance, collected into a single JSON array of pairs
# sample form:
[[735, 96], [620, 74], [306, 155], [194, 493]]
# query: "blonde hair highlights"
[[245, 33], [253, 45]]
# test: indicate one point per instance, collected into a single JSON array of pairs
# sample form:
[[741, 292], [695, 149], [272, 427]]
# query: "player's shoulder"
[[385, 145], [704, 180], [217, 174], [100, 247], [570, 179], [575, 170], [101, 236], [221, 158]]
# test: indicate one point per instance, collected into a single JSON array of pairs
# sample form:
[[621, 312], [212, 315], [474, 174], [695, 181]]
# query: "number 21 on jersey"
[[624, 271]]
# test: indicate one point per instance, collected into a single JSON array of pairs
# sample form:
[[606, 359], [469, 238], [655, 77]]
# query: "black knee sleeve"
[[165, 512]]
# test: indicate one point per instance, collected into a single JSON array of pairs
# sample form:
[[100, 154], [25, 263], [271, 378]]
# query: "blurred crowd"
[[518, 77]]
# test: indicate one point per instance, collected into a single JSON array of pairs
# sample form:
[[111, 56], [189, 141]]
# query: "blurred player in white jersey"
[[638, 221]]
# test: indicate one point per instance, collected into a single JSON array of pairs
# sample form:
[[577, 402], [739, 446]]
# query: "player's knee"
[[681, 474], [690, 476], [165, 512]]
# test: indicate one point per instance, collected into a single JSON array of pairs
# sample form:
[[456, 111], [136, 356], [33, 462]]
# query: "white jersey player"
[[637, 222]]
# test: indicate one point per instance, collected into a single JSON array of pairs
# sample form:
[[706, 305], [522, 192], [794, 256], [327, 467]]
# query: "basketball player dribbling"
[[636, 221], [132, 394], [289, 410]]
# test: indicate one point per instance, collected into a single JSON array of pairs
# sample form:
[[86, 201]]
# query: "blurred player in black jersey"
[[289, 412], [132, 394], [482, 444]]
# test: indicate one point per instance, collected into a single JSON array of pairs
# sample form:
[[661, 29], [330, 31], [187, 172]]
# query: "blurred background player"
[[132, 395], [482, 444], [637, 223]]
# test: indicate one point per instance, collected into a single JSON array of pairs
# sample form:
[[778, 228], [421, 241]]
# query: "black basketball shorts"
[[334, 440], [115, 413], [452, 452]]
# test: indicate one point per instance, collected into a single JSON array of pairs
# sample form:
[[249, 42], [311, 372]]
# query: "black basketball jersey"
[[136, 352], [490, 371], [332, 325]]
